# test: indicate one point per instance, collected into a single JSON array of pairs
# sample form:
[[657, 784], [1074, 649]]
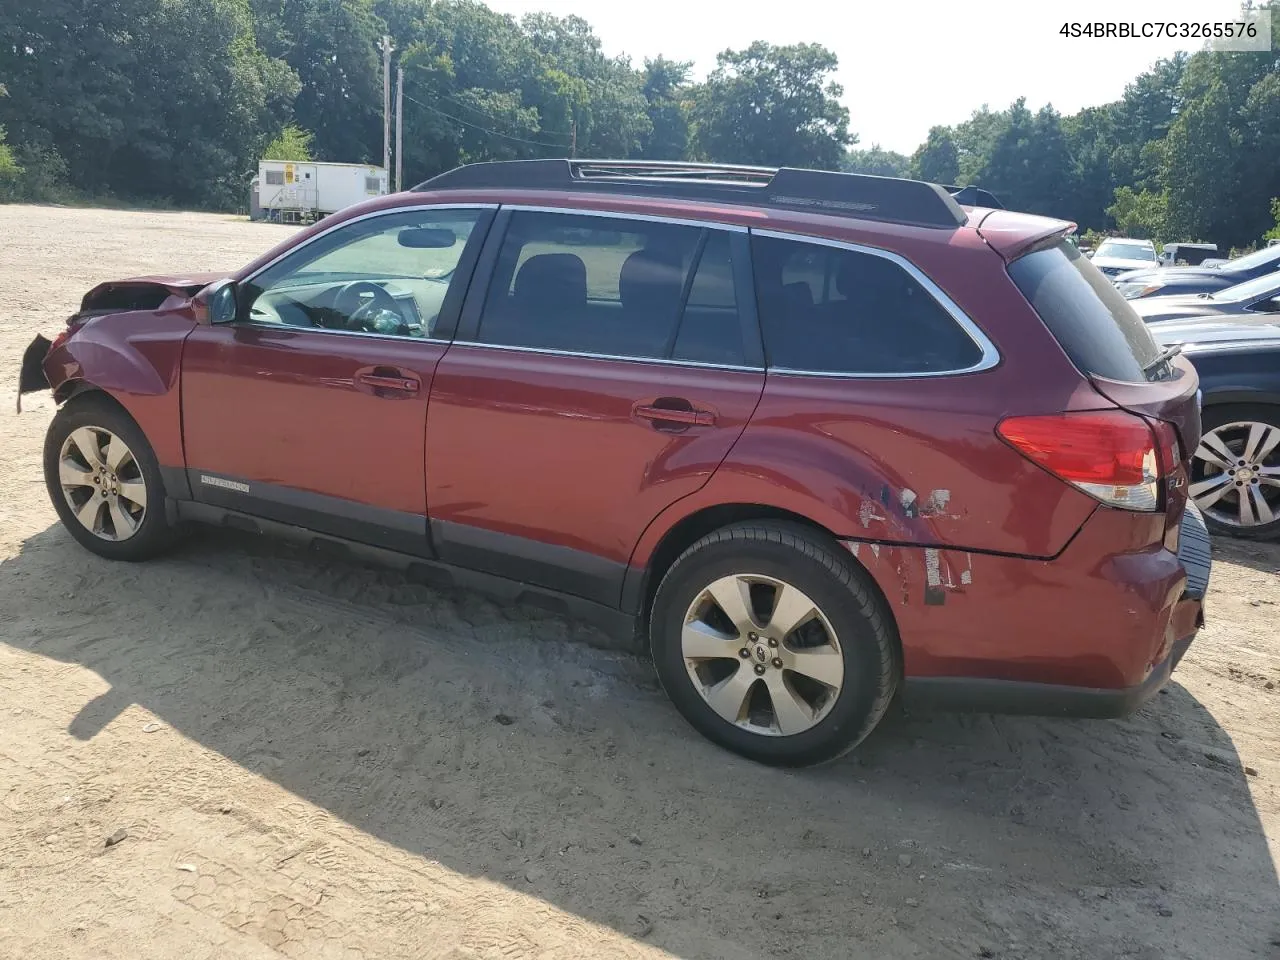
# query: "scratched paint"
[[936, 502], [867, 512], [932, 567], [908, 501], [934, 595]]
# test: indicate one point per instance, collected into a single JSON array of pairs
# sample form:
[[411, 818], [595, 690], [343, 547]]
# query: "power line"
[[476, 126]]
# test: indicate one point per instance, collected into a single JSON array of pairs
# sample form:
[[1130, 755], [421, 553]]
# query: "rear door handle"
[[680, 415]]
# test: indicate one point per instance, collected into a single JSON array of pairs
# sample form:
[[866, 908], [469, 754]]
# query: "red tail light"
[[1109, 454]]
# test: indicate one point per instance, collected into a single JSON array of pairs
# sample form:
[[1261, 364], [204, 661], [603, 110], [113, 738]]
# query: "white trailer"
[[307, 191]]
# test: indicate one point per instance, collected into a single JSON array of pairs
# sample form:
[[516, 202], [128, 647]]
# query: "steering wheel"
[[359, 300]]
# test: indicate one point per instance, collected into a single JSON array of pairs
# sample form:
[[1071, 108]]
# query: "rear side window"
[[832, 310], [1095, 325], [613, 287]]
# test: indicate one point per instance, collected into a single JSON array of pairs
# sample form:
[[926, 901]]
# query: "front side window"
[[832, 310], [386, 274], [613, 287]]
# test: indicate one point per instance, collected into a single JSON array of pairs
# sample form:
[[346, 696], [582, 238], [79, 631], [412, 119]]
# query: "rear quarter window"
[[837, 311], [1094, 324]]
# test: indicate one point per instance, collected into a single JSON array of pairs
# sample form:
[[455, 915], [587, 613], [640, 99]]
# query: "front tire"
[[104, 481], [774, 644], [1235, 473]]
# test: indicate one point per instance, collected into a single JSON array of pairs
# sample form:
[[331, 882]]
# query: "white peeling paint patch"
[[852, 546], [908, 498], [867, 513], [936, 502], [966, 577], [875, 549], [932, 567]]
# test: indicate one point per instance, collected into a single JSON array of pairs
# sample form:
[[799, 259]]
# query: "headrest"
[[553, 279], [651, 279]]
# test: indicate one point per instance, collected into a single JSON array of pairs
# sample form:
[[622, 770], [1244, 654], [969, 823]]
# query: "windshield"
[[1126, 251], [1258, 258], [1267, 284]]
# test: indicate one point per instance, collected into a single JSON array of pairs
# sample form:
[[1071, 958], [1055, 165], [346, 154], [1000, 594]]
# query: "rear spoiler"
[[972, 196]]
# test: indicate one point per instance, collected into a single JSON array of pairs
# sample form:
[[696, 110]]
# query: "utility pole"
[[399, 127], [386, 103], [573, 140]]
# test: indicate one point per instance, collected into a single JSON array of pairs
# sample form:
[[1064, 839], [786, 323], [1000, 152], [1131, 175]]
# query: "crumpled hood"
[[144, 293]]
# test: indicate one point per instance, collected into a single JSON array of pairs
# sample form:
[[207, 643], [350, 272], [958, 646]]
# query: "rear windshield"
[[1126, 251], [1096, 326]]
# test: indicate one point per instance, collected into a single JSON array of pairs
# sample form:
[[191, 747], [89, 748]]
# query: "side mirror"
[[1088, 254], [216, 303], [426, 238]]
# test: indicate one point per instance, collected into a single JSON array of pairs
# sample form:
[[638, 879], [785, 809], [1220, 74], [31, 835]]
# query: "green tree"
[[1149, 106], [1090, 142], [332, 45], [9, 169], [1140, 214], [293, 144], [609, 108], [156, 98], [774, 106], [664, 84], [877, 162], [1274, 232], [937, 160]]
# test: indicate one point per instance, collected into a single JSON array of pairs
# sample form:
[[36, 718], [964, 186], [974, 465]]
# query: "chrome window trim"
[[627, 215], [990, 355], [549, 352], [398, 338], [617, 215], [385, 212]]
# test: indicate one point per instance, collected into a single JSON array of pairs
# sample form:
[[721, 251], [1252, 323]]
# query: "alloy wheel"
[[762, 654], [103, 483], [1235, 474]]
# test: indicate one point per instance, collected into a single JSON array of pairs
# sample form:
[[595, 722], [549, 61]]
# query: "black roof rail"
[[972, 196], [887, 199]]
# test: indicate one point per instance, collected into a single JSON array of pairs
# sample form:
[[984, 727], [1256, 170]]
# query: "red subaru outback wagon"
[[820, 439]]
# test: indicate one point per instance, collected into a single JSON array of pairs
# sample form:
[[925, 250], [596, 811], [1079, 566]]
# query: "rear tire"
[[774, 644], [1235, 473], [104, 481]]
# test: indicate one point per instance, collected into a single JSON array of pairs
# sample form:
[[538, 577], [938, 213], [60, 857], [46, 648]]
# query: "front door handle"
[[675, 411], [387, 381]]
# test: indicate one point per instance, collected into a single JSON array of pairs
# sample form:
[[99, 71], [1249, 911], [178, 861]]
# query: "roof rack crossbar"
[[821, 191]]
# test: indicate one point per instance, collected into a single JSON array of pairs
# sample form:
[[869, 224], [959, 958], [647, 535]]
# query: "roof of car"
[[874, 211], [889, 199]]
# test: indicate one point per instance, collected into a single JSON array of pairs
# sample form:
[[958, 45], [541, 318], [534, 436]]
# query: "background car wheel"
[[1235, 473], [774, 644], [104, 481]]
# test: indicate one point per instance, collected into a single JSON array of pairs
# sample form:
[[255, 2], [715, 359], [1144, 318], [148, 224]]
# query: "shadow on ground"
[[498, 743]]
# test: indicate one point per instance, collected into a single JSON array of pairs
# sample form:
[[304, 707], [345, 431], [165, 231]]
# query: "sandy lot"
[[305, 759]]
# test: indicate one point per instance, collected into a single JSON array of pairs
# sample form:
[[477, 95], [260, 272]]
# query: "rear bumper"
[[963, 695], [1094, 633]]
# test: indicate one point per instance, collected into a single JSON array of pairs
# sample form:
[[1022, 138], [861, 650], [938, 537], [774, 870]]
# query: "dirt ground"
[[321, 760]]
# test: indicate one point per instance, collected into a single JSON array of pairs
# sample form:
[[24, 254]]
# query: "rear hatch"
[[1111, 346]]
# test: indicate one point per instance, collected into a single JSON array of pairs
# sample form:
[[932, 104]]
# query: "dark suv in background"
[[818, 438]]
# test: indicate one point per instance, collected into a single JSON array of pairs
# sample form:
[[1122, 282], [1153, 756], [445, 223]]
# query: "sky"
[[908, 66]]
